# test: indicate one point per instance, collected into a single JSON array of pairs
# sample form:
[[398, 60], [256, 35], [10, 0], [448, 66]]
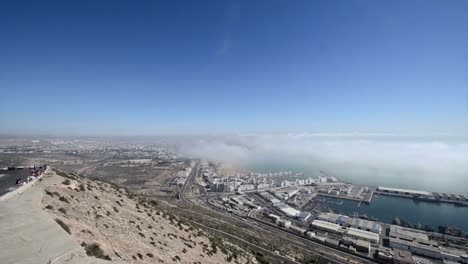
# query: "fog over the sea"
[[430, 163]]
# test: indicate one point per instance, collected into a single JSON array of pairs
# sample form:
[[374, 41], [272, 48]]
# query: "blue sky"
[[159, 67]]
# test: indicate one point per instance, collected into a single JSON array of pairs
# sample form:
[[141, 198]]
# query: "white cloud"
[[434, 164]]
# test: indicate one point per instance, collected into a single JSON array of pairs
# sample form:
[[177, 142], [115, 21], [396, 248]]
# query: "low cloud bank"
[[433, 164]]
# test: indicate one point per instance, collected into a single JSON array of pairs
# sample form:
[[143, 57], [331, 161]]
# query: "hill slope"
[[115, 225]]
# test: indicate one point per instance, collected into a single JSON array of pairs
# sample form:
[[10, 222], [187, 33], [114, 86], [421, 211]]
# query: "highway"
[[188, 182]]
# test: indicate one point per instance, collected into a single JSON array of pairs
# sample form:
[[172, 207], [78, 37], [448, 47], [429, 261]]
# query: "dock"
[[433, 197]]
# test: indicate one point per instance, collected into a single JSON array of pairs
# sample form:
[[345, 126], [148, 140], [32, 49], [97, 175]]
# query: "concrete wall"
[[19, 190]]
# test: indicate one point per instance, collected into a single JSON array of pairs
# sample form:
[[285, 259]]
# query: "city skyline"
[[91, 68]]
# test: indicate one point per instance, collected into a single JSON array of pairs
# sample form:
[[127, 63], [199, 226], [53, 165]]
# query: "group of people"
[[19, 181], [36, 171]]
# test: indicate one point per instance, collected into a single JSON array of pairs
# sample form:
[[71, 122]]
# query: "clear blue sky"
[[158, 67]]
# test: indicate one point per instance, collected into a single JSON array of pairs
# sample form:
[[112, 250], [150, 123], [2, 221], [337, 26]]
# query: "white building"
[[246, 187], [284, 223], [363, 235]]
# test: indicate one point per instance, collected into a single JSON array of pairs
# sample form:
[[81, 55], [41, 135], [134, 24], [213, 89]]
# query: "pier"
[[367, 199], [434, 197]]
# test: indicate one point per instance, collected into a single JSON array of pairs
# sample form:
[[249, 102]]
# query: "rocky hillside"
[[115, 225]]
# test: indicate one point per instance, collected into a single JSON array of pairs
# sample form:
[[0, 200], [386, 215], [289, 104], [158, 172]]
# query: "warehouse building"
[[364, 235], [407, 233], [414, 241], [327, 226], [370, 226], [303, 216], [360, 245], [297, 229], [284, 223], [366, 225], [328, 217], [352, 232], [288, 210], [422, 248]]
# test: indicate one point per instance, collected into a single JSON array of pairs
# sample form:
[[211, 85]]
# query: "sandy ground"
[[97, 212]]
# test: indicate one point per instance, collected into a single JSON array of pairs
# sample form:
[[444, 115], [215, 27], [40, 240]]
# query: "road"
[[189, 182]]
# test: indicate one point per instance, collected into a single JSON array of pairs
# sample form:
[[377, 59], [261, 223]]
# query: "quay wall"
[[462, 203]]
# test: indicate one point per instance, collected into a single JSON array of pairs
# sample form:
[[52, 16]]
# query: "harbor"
[[386, 208], [457, 199]]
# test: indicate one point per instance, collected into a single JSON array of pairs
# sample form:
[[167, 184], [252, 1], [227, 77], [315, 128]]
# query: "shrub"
[[94, 250], [82, 188], [153, 203], [86, 231], [60, 173], [49, 207], [63, 199], [63, 225], [150, 255], [49, 193], [66, 182], [63, 210]]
